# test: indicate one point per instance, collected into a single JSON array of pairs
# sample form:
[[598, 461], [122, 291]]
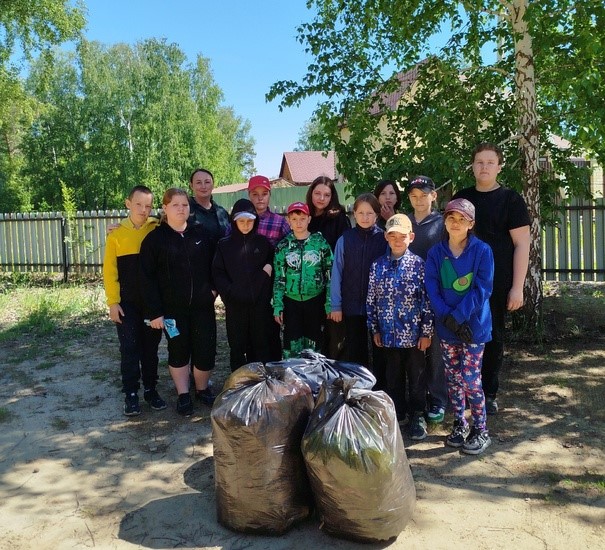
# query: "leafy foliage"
[[115, 117], [312, 137], [364, 53], [27, 27]]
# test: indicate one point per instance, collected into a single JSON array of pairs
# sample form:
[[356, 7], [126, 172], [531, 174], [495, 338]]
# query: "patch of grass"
[[553, 477], [59, 423], [5, 415], [102, 375], [587, 483], [558, 381], [45, 365], [23, 353], [48, 318], [17, 374], [555, 499]]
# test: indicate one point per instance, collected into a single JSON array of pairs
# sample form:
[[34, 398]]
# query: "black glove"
[[462, 331], [465, 333], [451, 324]]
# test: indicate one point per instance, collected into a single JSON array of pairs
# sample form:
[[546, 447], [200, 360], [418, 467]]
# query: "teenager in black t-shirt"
[[502, 221]]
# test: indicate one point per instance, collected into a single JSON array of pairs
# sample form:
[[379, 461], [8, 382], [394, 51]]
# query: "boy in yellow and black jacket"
[[138, 342]]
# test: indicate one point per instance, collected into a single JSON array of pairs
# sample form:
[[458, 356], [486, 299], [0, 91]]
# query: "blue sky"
[[250, 43]]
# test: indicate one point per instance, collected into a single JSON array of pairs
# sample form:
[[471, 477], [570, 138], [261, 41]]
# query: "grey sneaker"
[[418, 427], [131, 404], [491, 405], [477, 442], [459, 434]]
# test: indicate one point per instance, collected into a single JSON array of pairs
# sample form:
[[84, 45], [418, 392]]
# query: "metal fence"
[[573, 250]]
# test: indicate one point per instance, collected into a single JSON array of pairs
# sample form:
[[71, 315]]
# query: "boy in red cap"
[[301, 291], [270, 225]]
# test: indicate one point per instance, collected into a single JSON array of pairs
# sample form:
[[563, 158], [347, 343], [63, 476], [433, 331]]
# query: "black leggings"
[[196, 342]]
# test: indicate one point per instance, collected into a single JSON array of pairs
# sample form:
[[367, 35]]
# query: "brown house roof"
[[302, 167], [390, 100], [230, 188], [235, 187]]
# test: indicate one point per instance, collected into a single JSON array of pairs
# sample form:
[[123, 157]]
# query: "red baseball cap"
[[298, 207], [259, 181]]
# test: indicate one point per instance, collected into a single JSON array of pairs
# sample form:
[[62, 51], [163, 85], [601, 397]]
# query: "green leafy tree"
[[406, 111], [27, 28], [119, 116], [312, 137], [15, 116]]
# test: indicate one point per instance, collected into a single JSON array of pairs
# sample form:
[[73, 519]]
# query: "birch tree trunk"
[[525, 91]]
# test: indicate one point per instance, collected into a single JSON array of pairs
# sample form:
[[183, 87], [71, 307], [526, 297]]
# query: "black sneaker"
[[206, 396], [131, 404], [491, 405], [184, 405], [459, 433], [477, 442], [418, 427], [155, 401]]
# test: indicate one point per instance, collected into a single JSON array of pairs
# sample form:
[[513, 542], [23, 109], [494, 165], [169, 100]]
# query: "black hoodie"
[[175, 271], [237, 269]]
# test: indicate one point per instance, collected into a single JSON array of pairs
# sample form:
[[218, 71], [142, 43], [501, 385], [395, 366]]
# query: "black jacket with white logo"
[[176, 271]]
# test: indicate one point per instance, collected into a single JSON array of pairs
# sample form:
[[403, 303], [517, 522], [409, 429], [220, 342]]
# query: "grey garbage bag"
[[257, 425], [315, 369], [356, 462]]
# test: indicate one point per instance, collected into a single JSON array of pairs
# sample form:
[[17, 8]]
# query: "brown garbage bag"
[[315, 369], [257, 425], [356, 461]]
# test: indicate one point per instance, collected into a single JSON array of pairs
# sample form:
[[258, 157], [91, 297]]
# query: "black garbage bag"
[[356, 462], [257, 425], [315, 369]]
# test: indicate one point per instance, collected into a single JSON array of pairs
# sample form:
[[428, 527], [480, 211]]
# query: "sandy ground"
[[76, 473]]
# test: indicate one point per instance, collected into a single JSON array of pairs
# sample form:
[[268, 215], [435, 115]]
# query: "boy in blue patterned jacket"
[[401, 321]]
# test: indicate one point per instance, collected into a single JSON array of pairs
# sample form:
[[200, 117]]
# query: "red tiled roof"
[[305, 166]]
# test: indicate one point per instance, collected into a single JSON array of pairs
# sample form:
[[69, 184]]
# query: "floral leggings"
[[463, 375]]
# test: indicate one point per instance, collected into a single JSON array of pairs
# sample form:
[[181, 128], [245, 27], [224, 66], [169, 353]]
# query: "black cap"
[[424, 183]]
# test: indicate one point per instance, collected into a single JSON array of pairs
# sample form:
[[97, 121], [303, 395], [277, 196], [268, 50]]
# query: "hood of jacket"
[[243, 205]]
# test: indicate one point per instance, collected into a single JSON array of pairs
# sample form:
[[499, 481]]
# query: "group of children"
[[391, 290]]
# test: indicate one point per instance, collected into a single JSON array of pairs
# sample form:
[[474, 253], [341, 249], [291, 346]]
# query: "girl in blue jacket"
[[458, 279], [355, 252]]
